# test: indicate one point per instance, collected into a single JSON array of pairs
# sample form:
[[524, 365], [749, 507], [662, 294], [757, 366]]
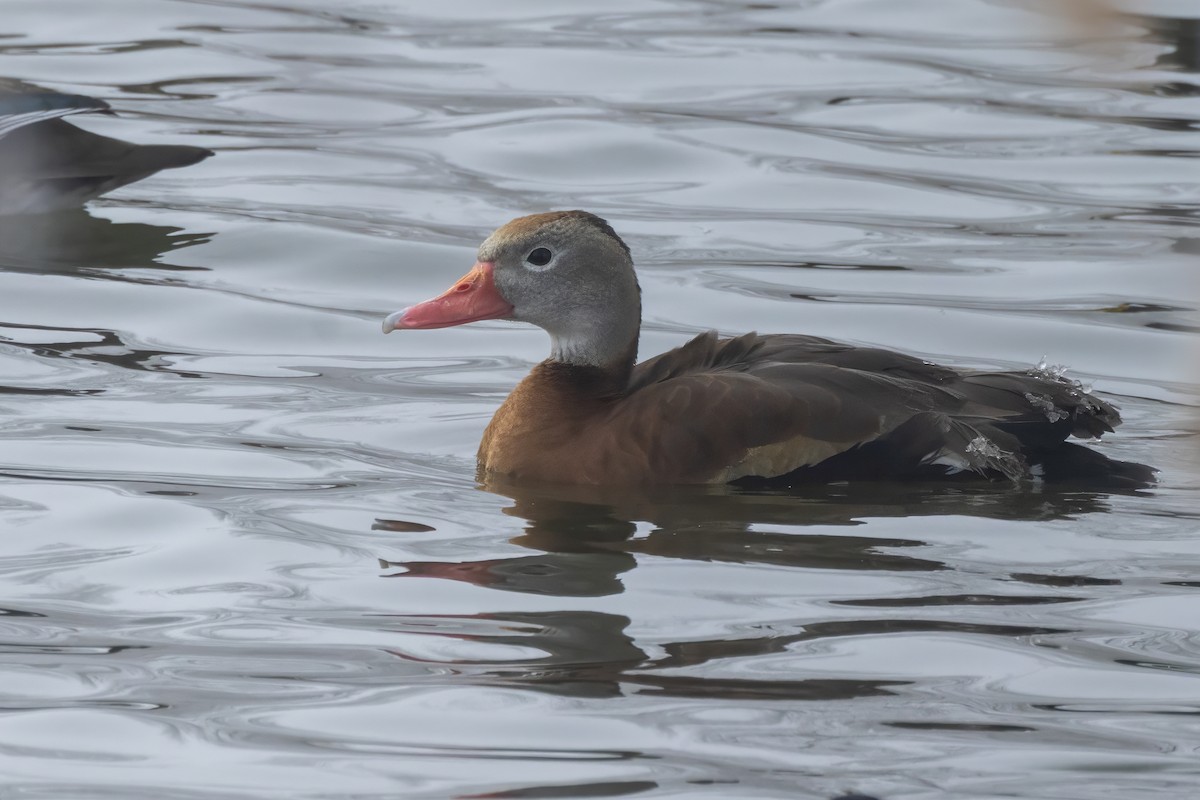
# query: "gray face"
[[567, 273]]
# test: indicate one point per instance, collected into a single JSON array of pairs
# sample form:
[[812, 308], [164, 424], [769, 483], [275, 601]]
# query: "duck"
[[769, 409], [48, 164]]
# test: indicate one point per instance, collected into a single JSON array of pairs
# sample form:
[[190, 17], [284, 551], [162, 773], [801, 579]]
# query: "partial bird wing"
[[765, 406], [22, 104], [47, 163]]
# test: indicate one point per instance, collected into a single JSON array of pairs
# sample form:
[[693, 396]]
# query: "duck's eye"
[[539, 257]]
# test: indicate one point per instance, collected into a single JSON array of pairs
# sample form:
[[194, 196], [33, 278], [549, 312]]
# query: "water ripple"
[[245, 550]]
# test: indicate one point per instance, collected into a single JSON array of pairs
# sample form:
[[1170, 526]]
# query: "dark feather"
[[46, 163], [888, 415]]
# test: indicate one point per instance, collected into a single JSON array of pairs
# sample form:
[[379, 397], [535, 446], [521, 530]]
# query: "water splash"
[[1044, 404], [1051, 372]]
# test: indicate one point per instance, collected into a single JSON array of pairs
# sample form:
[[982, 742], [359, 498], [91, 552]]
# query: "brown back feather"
[[784, 402]]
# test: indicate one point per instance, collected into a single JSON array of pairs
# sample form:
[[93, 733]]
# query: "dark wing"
[[22, 104], [47, 163], [766, 406], [707, 353]]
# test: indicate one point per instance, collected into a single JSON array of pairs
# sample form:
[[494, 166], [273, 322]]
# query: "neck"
[[611, 352], [587, 380], [608, 342], [588, 351]]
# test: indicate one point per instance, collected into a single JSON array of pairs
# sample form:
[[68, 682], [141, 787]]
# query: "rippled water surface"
[[244, 554]]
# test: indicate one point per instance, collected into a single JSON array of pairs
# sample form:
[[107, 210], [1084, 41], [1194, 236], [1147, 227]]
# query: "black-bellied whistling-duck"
[[785, 408], [46, 163]]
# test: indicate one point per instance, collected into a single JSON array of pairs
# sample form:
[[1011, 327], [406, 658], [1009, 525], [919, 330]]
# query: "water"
[[244, 554]]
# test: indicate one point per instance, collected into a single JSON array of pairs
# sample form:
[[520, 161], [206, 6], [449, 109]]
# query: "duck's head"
[[565, 271]]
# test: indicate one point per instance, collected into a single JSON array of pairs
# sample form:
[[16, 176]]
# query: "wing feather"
[[765, 406]]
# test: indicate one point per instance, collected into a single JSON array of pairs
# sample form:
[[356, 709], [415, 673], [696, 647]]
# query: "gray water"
[[243, 553]]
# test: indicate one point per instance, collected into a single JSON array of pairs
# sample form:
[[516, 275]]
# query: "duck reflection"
[[576, 574], [74, 242], [1183, 35], [590, 654], [585, 538]]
